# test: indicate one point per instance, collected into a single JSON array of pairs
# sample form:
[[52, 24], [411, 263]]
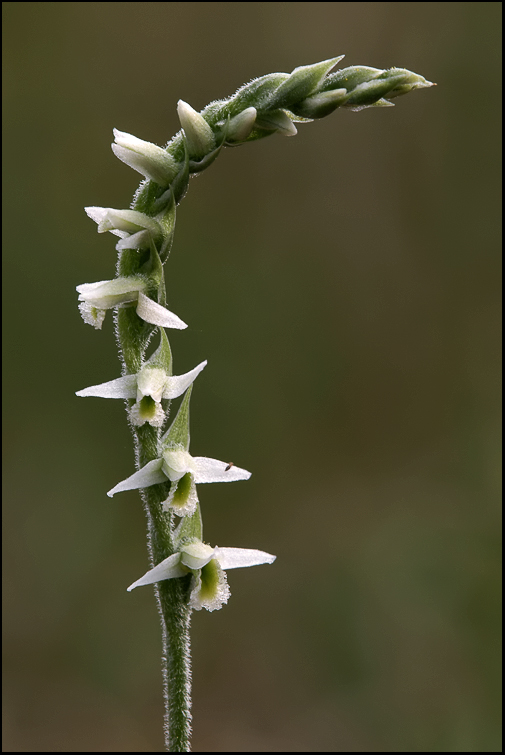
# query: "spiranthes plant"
[[186, 572]]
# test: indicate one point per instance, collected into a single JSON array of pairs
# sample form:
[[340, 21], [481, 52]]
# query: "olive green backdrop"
[[344, 286]]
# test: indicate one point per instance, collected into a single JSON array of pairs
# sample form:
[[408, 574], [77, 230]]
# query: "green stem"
[[172, 594]]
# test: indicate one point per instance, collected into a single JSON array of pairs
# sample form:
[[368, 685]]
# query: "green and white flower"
[[209, 586], [146, 158], [96, 298], [135, 229], [149, 386], [176, 465]]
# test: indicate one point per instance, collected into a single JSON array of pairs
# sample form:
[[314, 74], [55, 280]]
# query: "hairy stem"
[[171, 595]]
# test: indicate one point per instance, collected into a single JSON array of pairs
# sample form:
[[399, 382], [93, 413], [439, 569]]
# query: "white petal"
[[212, 470], [149, 311], [151, 474], [235, 558], [176, 385], [123, 387], [167, 569]]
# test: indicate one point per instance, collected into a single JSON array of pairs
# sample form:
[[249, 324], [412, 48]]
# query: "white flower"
[[96, 298], [184, 472], [149, 386], [209, 587], [135, 229], [146, 158]]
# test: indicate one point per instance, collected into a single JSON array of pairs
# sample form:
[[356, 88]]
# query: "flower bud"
[[241, 125], [199, 136], [370, 92], [146, 158], [321, 104], [279, 121]]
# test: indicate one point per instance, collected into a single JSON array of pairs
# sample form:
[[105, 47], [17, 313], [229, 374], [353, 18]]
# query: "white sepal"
[[177, 384], [123, 387], [152, 312], [212, 470], [170, 568], [150, 474], [235, 558]]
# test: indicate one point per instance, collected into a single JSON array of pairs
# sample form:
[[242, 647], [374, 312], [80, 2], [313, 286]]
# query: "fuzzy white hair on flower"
[[149, 386], [177, 466], [209, 586]]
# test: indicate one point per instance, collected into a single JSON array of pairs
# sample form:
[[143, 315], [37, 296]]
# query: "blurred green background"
[[344, 286]]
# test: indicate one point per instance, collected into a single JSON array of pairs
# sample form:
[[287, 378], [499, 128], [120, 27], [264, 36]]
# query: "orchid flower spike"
[[149, 386], [175, 464], [96, 298], [209, 586]]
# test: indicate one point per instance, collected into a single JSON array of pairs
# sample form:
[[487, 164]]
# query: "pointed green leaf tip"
[[178, 432], [162, 357]]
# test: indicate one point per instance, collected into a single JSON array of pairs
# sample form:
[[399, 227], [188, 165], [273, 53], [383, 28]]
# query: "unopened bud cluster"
[[269, 104]]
